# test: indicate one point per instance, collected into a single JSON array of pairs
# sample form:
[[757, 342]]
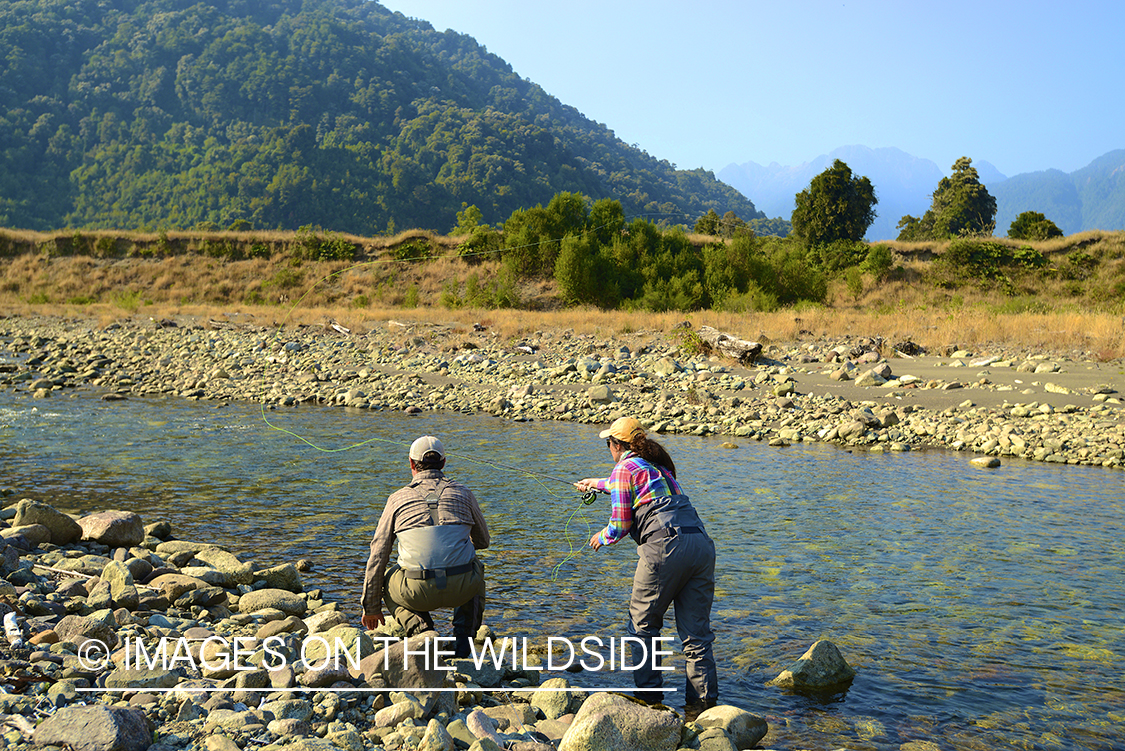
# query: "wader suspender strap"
[[432, 505], [664, 532]]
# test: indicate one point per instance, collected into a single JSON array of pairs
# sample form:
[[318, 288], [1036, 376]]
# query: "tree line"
[[159, 114]]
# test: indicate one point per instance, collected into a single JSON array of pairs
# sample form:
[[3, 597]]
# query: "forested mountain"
[[285, 113], [1090, 198]]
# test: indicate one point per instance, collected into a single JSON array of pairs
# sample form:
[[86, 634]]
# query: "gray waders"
[[677, 565], [437, 568]]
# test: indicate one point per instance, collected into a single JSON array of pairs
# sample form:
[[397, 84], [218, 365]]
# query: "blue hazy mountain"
[[1090, 198]]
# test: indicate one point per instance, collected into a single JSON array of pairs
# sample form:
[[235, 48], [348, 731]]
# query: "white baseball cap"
[[425, 445]]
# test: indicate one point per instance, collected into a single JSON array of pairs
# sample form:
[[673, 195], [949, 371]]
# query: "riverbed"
[[980, 607]]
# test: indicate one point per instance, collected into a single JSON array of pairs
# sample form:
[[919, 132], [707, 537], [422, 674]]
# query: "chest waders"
[[436, 551], [676, 567]]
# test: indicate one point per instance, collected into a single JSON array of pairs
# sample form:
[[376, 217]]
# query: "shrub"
[[1028, 258], [1032, 225], [838, 255], [879, 261], [415, 250], [410, 299], [80, 243], [482, 241], [129, 300], [106, 247], [259, 250], [287, 278], [1078, 266], [853, 277], [753, 299], [449, 297], [313, 246]]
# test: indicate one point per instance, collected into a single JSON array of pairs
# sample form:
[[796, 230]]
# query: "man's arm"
[[479, 531], [381, 544]]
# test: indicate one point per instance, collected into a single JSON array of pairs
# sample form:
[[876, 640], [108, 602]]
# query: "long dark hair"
[[651, 451]]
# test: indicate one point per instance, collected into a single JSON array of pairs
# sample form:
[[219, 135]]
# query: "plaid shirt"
[[634, 482]]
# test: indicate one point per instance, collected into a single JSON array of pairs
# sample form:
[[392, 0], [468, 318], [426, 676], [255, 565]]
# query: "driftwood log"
[[736, 349]]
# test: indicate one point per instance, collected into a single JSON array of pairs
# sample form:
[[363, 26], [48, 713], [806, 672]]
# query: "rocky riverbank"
[[865, 394], [121, 638]]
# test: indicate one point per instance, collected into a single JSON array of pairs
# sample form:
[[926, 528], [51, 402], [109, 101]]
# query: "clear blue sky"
[[1024, 85]]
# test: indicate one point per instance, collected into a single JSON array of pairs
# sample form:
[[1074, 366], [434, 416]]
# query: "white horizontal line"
[[303, 690]]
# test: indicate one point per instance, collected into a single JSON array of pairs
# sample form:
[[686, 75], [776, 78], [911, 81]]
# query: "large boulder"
[[228, 563], [744, 729], [614, 721], [79, 629], [417, 671], [96, 728], [117, 529], [122, 590], [554, 699], [284, 577], [287, 602], [35, 534], [820, 667], [173, 586], [64, 530]]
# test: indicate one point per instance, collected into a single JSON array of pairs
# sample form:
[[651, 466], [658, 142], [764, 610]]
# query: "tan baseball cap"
[[624, 429], [425, 445]]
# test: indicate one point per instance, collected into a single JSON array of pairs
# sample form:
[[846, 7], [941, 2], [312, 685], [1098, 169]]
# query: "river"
[[981, 608]]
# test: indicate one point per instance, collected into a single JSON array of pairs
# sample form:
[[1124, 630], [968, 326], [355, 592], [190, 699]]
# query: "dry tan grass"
[[282, 290]]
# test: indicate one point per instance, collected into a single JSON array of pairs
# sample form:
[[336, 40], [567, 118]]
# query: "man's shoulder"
[[423, 486]]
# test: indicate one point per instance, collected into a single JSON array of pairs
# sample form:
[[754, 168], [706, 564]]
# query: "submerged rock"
[[821, 667]]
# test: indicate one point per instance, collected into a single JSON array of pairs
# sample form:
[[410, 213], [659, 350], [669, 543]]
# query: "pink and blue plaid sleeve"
[[620, 487]]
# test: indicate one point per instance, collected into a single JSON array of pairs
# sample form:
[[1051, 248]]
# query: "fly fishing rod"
[[587, 497]]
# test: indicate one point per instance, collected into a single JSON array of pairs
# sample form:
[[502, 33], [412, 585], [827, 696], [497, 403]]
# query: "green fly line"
[[586, 499]]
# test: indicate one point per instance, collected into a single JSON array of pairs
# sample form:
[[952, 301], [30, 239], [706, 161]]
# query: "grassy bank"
[[1070, 302]]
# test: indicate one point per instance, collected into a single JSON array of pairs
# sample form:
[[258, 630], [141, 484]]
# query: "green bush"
[[1028, 258], [1032, 225], [106, 247], [410, 298], [1078, 266], [879, 261], [838, 255], [482, 241], [130, 300], [80, 243], [259, 250], [449, 297], [313, 246], [415, 250], [853, 278], [753, 299], [287, 278]]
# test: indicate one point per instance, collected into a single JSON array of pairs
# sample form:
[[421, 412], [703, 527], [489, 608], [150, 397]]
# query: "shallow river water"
[[981, 608]]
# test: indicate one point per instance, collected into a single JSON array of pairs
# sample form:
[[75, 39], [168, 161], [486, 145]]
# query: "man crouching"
[[439, 527]]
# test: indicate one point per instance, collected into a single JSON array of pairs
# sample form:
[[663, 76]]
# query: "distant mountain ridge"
[[1090, 198]]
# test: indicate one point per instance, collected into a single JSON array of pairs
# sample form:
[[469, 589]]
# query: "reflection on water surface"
[[981, 608]]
